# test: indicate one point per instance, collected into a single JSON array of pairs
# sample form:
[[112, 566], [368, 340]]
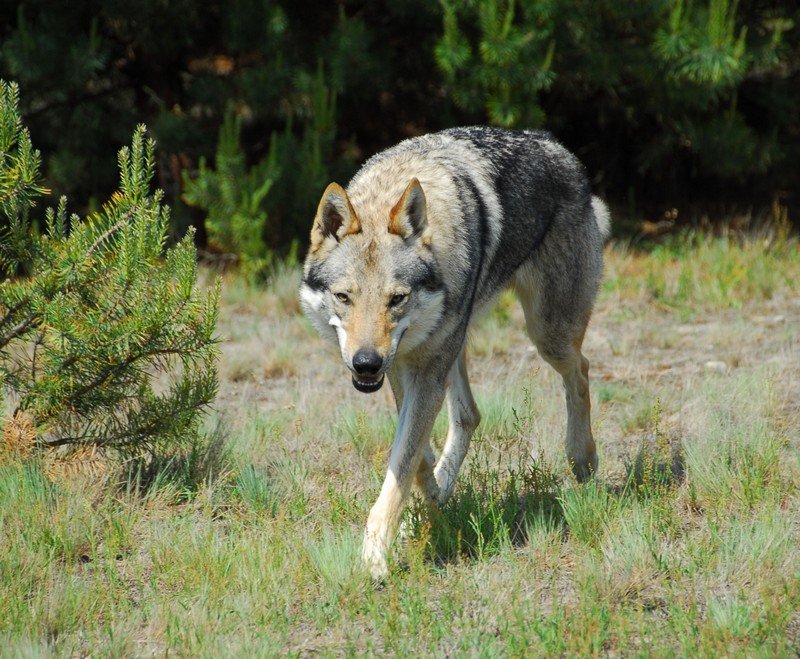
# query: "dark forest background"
[[680, 110]]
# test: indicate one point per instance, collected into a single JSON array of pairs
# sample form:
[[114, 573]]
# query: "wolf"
[[422, 240]]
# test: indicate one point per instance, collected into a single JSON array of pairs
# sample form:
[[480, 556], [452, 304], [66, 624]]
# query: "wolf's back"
[[492, 194]]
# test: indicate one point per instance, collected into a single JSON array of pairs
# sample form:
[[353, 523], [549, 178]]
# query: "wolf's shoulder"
[[492, 136], [487, 142], [487, 137]]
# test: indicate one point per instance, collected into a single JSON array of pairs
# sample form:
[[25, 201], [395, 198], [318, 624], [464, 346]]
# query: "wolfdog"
[[424, 237]]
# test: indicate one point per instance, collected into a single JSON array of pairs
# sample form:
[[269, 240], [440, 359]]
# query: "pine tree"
[[104, 338], [655, 96], [508, 66], [235, 199]]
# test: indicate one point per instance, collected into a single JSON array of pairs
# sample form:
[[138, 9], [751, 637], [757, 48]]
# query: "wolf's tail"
[[602, 216]]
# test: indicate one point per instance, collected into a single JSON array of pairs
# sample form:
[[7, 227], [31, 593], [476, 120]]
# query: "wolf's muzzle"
[[367, 365], [368, 384]]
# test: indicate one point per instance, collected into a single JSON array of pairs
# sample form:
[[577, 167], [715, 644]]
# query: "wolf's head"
[[374, 286]]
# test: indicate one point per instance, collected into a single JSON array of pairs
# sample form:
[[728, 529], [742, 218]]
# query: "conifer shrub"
[[105, 340], [258, 212], [234, 197], [670, 104], [667, 99]]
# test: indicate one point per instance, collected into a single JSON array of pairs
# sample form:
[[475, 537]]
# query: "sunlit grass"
[[690, 273], [249, 545]]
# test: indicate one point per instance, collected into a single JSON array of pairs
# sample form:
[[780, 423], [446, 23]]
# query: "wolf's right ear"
[[335, 217], [409, 215]]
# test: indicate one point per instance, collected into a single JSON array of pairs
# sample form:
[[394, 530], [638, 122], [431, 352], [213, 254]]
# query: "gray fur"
[[542, 188], [501, 208]]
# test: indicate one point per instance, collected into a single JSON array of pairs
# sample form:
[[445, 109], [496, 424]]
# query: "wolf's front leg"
[[423, 396], [426, 481]]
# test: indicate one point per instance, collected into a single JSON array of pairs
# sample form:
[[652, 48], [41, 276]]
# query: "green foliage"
[[335, 559], [668, 102], [256, 491], [489, 511], [234, 198], [106, 341], [656, 467], [307, 158], [587, 510], [239, 201], [508, 66], [671, 84], [744, 465], [713, 53], [20, 163]]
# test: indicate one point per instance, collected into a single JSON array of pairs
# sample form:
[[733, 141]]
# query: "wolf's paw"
[[403, 533], [374, 557], [431, 492], [584, 469], [446, 487]]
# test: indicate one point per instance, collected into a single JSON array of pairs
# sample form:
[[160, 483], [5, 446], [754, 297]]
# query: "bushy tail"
[[602, 216]]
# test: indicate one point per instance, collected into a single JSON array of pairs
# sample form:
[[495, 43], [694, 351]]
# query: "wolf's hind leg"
[[463, 419], [426, 480], [574, 369], [557, 330]]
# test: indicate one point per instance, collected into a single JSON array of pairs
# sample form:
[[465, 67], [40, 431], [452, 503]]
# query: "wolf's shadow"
[[489, 512]]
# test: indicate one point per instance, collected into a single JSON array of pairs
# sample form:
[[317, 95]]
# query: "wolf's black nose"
[[367, 362]]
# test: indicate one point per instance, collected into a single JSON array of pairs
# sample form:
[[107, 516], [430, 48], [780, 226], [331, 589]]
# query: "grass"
[[249, 543], [690, 272]]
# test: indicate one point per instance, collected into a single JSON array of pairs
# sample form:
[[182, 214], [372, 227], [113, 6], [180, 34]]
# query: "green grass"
[[248, 544], [691, 272]]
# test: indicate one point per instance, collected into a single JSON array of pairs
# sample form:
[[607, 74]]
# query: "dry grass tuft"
[[84, 462], [58, 464], [19, 435]]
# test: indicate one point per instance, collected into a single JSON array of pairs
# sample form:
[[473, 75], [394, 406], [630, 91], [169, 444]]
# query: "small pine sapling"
[[234, 198], [105, 340]]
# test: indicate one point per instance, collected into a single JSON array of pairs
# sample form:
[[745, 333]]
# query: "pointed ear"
[[409, 216], [335, 217]]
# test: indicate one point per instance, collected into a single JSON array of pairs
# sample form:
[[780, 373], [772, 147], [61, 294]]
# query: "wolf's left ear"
[[409, 216], [335, 217]]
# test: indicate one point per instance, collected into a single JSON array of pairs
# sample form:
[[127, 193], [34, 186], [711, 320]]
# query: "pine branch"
[[75, 100], [18, 330]]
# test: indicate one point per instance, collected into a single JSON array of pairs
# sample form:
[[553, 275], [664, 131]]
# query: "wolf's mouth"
[[368, 384]]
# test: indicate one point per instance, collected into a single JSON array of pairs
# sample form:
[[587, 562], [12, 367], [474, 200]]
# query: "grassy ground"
[[688, 543]]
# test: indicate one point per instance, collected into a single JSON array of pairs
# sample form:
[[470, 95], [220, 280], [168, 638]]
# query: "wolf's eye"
[[344, 298], [397, 299]]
